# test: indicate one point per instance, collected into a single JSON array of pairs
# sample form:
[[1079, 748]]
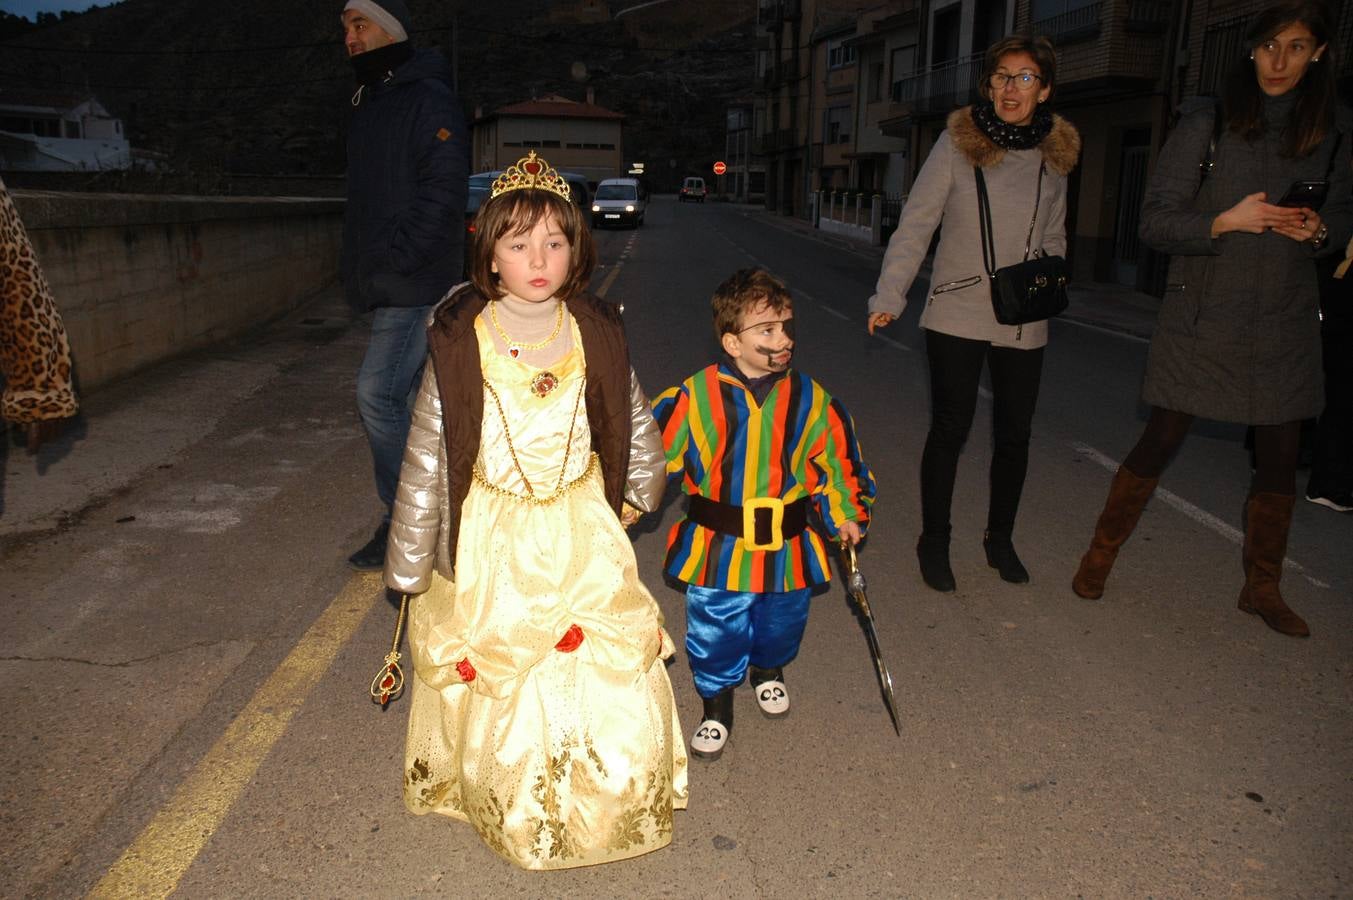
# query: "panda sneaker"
[[711, 735], [771, 694]]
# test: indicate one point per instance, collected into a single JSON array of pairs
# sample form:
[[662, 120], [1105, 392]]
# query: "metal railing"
[[1222, 46], [943, 87], [1149, 15], [1083, 21]]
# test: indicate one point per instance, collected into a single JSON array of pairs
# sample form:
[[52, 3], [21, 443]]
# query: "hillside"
[[257, 86]]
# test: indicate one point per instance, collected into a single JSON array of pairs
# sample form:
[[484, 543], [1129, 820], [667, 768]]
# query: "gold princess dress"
[[542, 713]]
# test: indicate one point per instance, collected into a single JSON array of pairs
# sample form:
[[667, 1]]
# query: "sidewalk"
[[1101, 304]]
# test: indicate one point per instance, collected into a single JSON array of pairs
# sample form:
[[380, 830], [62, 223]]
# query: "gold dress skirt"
[[541, 711]]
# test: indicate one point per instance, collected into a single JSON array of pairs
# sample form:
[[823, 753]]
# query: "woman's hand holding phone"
[[1254, 215]]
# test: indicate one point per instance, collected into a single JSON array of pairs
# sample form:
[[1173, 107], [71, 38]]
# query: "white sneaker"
[[773, 698], [709, 739]]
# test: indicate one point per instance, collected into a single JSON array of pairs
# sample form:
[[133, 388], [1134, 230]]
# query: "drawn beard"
[[770, 355]]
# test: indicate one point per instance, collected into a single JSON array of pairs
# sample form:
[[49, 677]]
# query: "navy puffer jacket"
[[408, 165]]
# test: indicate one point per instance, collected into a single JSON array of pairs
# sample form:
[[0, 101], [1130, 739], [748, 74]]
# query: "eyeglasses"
[[1024, 81]]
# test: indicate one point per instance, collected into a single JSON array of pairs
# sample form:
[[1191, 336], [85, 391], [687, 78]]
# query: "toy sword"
[[855, 584]]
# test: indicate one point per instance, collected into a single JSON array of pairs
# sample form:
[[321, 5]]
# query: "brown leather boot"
[[1268, 517], [1127, 498]]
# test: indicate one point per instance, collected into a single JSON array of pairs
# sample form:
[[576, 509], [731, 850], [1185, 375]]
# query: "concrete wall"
[[141, 278]]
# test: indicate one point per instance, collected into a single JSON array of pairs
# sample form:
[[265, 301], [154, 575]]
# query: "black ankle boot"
[[1001, 556], [932, 550]]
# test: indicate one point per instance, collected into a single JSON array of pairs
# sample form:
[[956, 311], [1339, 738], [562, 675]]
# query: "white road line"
[[1109, 331], [1201, 516]]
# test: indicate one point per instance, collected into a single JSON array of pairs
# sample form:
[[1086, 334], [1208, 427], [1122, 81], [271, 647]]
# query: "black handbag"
[[1028, 291]]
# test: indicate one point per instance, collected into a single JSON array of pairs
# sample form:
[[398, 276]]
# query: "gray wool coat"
[[1238, 335], [946, 191]]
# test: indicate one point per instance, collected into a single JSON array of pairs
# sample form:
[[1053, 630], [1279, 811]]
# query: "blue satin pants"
[[727, 630]]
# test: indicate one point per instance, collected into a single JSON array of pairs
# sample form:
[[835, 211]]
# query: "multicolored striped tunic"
[[798, 443]]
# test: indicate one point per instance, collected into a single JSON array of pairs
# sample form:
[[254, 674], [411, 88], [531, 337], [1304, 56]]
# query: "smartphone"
[[1308, 194]]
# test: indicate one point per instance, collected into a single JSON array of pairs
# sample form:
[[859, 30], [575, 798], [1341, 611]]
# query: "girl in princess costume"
[[541, 713]]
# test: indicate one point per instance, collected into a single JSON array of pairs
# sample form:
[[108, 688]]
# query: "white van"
[[618, 201], [693, 188]]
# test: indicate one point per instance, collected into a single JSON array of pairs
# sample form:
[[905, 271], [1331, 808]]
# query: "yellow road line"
[[155, 862], [609, 279]]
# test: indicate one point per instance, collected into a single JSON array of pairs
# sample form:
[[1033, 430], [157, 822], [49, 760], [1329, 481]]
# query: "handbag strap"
[[984, 218], [1209, 156]]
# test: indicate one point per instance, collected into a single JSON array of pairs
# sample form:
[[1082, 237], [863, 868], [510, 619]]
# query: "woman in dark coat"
[[1238, 338]]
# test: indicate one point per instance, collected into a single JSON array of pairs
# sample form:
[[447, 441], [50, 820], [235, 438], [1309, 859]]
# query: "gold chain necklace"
[[512, 450], [515, 348]]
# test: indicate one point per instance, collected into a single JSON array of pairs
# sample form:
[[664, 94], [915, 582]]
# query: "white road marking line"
[[1109, 331], [1201, 516]]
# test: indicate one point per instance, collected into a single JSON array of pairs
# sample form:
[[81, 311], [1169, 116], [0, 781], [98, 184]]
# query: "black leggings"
[[1275, 451], [955, 371]]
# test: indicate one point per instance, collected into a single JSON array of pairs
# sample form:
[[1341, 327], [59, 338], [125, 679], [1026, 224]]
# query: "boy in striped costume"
[[757, 443]]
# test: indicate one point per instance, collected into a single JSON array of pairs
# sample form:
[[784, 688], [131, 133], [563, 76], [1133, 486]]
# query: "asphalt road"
[[188, 657]]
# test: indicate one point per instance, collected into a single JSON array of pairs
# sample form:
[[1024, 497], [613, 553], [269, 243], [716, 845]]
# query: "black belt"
[[763, 523]]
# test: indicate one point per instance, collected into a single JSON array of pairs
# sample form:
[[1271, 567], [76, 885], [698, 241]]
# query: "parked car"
[[693, 189], [619, 201], [482, 182]]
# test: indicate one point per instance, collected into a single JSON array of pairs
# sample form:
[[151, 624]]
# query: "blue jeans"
[[387, 385]]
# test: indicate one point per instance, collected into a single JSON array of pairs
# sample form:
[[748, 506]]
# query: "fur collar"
[[1061, 148]]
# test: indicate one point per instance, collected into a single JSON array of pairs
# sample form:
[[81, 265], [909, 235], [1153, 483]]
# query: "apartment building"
[[1123, 68]]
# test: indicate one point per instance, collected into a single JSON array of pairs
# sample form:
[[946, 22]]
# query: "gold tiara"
[[530, 172]]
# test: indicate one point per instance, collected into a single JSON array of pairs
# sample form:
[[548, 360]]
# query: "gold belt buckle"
[[777, 518]]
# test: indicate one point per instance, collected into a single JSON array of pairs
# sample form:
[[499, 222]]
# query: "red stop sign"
[[720, 168]]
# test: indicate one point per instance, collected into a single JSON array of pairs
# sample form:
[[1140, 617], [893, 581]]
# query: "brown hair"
[[1312, 115], [516, 212], [742, 292], [1040, 48]]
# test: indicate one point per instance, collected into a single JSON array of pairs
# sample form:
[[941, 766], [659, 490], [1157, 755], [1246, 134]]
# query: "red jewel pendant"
[[513, 351]]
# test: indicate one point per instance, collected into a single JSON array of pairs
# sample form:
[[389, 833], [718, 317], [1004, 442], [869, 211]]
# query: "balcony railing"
[[1077, 23], [774, 141], [1149, 15], [947, 85]]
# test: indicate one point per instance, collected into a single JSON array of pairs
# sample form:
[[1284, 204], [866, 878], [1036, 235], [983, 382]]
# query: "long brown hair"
[[1312, 116], [516, 212]]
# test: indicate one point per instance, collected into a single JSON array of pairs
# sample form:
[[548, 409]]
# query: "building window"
[[836, 125], [875, 82], [904, 66], [840, 55]]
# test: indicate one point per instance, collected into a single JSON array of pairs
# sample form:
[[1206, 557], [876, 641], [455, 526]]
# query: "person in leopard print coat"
[[35, 364]]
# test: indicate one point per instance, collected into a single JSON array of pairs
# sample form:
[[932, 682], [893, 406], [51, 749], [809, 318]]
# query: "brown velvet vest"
[[454, 354]]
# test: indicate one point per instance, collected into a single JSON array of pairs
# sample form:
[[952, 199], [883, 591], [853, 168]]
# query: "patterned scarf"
[[1012, 137]]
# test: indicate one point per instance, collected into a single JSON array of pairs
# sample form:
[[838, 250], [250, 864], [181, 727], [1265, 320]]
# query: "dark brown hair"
[[1312, 116], [742, 292], [1040, 48], [517, 212]]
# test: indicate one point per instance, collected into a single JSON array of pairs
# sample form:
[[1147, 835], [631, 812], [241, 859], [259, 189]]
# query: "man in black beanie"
[[404, 228]]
